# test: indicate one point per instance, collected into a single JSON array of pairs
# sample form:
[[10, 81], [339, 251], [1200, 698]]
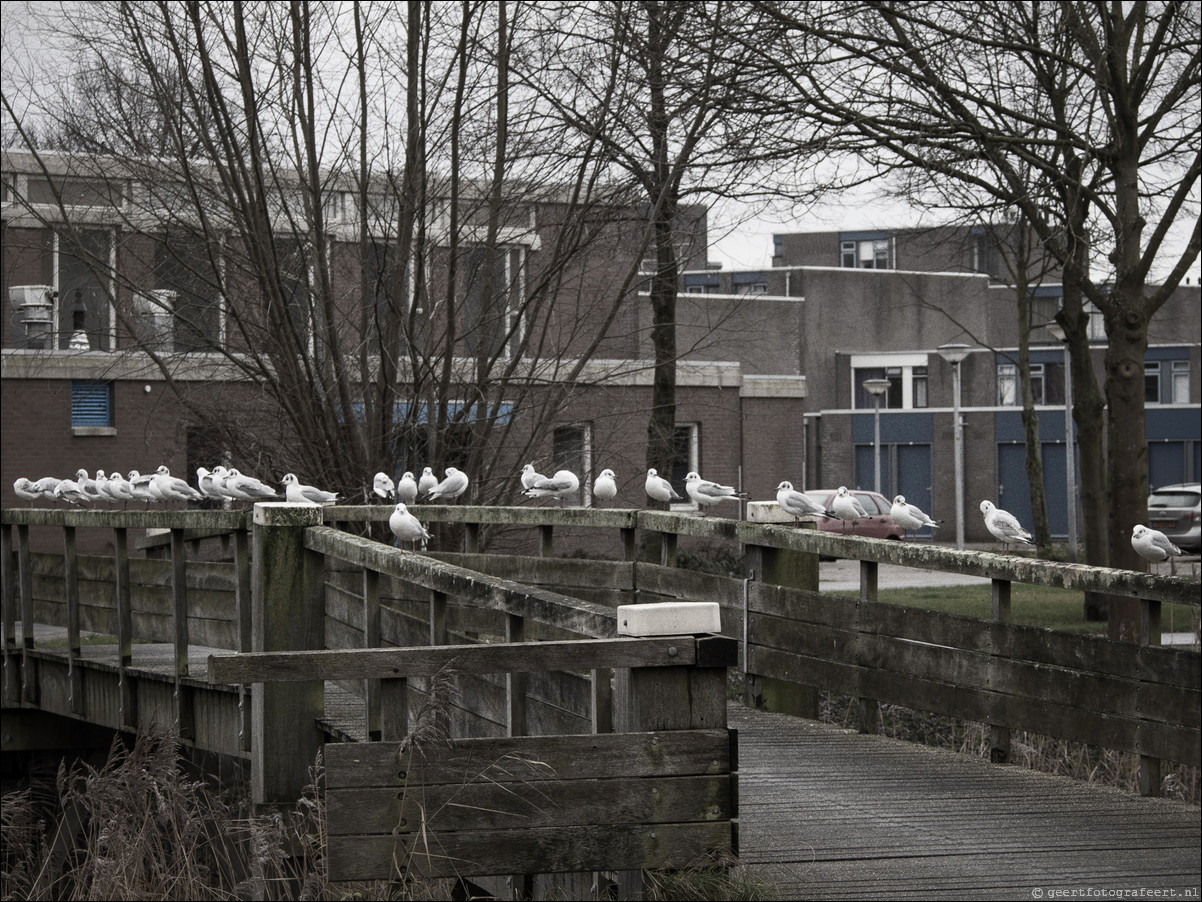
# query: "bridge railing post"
[[12, 679], [999, 737], [288, 614]]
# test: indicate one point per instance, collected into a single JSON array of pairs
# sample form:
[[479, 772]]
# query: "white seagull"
[[207, 483], [248, 488], [1152, 544], [847, 506], [27, 490], [406, 489], [452, 487], [605, 487], [798, 504], [562, 484], [172, 488], [119, 488], [909, 516], [141, 486], [69, 490], [530, 476], [298, 493], [427, 482], [1004, 526], [46, 486], [659, 489], [383, 486], [88, 486], [406, 527], [706, 493]]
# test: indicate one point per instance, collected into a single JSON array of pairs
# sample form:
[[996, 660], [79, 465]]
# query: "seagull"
[[119, 488], [141, 486], [69, 490], [659, 489], [46, 486], [247, 488], [88, 486], [298, 493], [172, 488], [605, 487], [530, 476], [383, 486], [1004, 526], [406, 527], [452, 487], [27, 490], [909, 516], [406, 489], [101, 481], [562, 484], [706, 493], [798, 504], [427, 482], [208, 485], [847, 507], [1152, 544]]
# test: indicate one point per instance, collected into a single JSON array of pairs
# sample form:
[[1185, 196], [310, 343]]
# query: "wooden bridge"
[[249, 635]]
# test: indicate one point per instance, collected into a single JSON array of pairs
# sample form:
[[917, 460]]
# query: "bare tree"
[[1098, 102]]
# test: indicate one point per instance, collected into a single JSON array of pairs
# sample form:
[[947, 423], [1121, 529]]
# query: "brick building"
[[877, 305]]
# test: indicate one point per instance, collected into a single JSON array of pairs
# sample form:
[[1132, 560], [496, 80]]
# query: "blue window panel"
[[91, 404]]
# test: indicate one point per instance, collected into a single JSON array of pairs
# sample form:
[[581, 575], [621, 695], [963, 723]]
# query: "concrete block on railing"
[[669, 618], [770, 512], [285, 513]]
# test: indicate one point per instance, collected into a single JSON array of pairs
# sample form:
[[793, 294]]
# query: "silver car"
[[1176, 510]]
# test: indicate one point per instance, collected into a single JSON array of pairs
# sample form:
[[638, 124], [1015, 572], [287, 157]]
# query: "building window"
[[82, 274], [1007, 385], [864, 252], [1152, 382], [1180, 382], [1047, 384], [907, 382], [183, 312], [77, 192], [91, 405], [572, 449], [492, 326], [1096, 329]]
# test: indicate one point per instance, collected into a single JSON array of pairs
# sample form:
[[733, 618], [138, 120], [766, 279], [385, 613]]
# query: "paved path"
[[827, 813]]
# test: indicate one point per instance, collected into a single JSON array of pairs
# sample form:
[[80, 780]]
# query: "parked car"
[[878, 525], [1176, 510]]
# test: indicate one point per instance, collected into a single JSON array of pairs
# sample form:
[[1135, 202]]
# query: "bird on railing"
[[120, 489], [798, 504], [406, 527], [605, 487], [847, 506], [1152, 544], [705, 492], [27, 490], [562, 484], [427, 482], [172, 488], [454, 485], [406, 489], [659, 489], [1004, 526], [246, 488], [88, 486], [141, 486], [383, 486], [529, 477], [909, 516], [298, 493], [69, 490], [46, 486], [208, 485]]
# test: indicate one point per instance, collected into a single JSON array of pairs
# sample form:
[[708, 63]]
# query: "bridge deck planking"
[[828, 813]]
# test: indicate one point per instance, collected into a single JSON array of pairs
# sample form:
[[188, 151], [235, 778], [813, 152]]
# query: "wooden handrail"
[[514, 657]]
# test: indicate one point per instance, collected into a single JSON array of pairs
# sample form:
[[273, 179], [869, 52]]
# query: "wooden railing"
[[1130, 696]]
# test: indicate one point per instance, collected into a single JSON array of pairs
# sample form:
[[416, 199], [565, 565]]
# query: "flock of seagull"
[[222, 484]]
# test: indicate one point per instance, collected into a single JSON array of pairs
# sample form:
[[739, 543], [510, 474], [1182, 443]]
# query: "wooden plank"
[[1093, 653], [510, 759], [1042, 716], [575, 800], [542, 850], [524, 657], [564, 573], [971, 670]]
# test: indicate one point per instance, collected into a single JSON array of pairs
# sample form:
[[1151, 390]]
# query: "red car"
[[878, 524]]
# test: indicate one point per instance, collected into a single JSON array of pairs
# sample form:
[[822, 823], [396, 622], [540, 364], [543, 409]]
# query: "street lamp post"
[[955, 354], [1070, 465], [877, 388]]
